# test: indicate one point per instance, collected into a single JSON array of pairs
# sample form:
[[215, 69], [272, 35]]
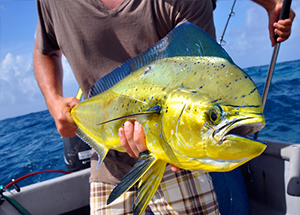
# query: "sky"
[[247, 42]]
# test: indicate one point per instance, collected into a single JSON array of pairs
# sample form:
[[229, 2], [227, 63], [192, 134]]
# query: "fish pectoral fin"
[[143, 111], [144, 163], [148, 186], [98, 147]]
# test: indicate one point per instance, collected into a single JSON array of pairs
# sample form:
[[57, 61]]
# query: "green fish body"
[[195, 105]]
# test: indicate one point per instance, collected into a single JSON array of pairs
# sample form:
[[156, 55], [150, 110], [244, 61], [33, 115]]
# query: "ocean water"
[[31, 143]]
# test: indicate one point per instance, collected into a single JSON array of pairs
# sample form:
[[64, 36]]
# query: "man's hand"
[[60, 110], [281, 27], [132, 138]]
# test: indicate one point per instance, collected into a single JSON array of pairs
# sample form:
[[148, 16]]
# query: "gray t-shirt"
[[96, 39]]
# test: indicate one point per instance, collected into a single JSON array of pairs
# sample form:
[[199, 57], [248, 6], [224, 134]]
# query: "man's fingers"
[[124, 142], [132, 138], [129, 134], [283, 25], [128, 128], [174, 168], [64, 122], [283, 29], [139, 137]]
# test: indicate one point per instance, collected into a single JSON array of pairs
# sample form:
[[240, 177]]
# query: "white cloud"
[[17, 80], [18, 85]]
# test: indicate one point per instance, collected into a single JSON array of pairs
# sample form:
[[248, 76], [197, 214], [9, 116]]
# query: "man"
[[98, 35]]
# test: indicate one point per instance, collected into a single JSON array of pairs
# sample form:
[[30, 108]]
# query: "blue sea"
[[31, 143]]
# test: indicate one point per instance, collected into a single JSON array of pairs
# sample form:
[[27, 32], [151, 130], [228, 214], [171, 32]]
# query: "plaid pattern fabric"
[[99, 194], [180, 193], [189, 192]]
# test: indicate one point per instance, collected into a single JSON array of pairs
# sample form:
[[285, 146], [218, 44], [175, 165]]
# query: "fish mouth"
[[237, 127]]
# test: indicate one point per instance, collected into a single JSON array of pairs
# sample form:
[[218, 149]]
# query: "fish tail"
[[99, 148]]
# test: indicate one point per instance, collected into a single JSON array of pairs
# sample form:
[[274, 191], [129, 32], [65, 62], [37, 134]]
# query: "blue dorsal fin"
[[185, 40]]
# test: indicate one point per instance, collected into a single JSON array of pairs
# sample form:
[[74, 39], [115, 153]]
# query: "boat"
[[267, 185]]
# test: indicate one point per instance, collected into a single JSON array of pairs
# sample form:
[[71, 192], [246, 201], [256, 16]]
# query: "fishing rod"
[[14, 182], [231, 13], [284, 14]]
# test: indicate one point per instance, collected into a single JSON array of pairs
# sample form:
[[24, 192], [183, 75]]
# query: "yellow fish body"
[[195, 105]]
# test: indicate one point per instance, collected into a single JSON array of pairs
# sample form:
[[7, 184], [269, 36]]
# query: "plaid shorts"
[[183, 192]]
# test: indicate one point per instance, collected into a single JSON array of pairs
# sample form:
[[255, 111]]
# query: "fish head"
[[228, 129], [210, 126]]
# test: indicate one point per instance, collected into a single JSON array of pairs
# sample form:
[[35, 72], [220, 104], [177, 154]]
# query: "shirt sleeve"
[[45, 33]]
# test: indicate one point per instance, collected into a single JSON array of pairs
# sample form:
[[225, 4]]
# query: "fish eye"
[[215, 114]]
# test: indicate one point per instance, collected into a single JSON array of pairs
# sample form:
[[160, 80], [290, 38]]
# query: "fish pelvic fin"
[[144, 163], [100, 149], [148, 186]]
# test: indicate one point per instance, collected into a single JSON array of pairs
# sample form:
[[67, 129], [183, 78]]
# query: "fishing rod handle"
[[285, 12]]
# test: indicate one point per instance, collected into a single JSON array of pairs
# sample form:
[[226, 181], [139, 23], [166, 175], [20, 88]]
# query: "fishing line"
[[231, 13]]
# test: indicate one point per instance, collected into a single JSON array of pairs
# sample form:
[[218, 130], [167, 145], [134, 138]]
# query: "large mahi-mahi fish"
[[195, 105]]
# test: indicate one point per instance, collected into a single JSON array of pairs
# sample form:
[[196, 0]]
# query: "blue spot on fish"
[[216, 100], [155, 108], [252, 91]]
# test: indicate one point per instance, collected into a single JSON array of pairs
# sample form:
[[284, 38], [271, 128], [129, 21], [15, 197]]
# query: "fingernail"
[[137, 125], [128, 125]]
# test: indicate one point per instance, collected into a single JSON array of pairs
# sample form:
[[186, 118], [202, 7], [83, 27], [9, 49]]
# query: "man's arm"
[[282, 27], [49, 75]]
